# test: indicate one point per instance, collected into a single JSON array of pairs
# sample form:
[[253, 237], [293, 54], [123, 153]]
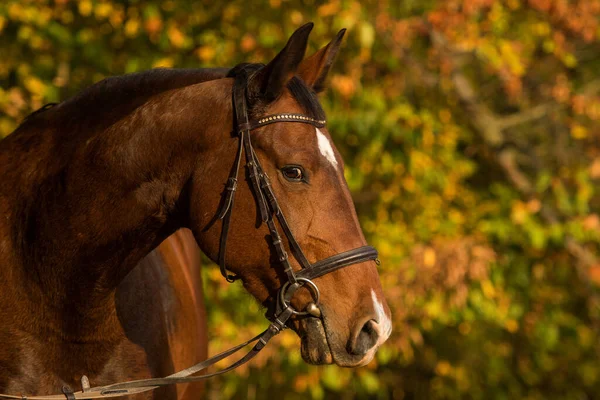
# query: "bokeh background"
[[470, 132]]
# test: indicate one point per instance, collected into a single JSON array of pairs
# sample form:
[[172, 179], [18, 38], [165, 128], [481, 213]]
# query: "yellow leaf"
[[387, 196], [519, 212], [578, 131], [409, 184], [176, 37], [367, 35], [443, 368], [296, 17], [593, 110], [6, 126], [595, 168], [103, 10], [541, 29], [206, 53], [511, 325], [288, 340], [570, 60], [488, 289], [514, 4], [166, 62], [328, 9], [15, 11], [85, 8], [132, 27], [429, 257], [34, 85], [116, 18], [511, 58]]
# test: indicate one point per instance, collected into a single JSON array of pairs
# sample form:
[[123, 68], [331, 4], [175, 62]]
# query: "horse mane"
[[112, 98]]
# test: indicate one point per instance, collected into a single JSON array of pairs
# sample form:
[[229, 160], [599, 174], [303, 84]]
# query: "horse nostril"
[[365, 339]]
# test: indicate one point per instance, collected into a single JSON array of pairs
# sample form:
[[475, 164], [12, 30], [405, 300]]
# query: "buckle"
[[68, 392], [231, 184]]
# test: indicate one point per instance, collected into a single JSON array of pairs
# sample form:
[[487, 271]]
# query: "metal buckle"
[[68, 392], [287, 291]]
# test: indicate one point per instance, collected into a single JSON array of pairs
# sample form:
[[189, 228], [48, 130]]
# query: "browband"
[[271, 119]]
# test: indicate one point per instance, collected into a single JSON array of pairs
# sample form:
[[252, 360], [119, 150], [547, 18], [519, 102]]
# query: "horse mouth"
[[318, 346], [314, 346]]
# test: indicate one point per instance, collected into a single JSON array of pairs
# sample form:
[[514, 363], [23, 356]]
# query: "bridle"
[[269, 211], [269, 207]]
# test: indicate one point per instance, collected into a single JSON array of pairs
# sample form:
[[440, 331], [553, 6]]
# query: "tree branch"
[[532, 114], [491, 126]]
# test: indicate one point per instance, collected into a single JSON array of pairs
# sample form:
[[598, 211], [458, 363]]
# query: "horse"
[[94, 184]]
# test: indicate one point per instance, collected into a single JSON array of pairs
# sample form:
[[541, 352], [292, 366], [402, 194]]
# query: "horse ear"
[[314, 69], [270, 80]]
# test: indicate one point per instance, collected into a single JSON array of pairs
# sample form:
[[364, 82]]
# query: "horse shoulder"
[[160, 304]]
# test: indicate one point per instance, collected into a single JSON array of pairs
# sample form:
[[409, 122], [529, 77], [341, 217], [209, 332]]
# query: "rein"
[[269, 211]]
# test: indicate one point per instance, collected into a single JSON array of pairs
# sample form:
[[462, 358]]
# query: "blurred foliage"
[[470, 131]]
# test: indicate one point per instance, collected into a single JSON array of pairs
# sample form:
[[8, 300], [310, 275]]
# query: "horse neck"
[[86, 206]]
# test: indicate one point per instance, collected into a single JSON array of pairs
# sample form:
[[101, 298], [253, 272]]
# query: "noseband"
[[268, 208]]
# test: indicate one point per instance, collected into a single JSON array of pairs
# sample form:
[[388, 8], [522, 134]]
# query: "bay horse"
[[92, 185]]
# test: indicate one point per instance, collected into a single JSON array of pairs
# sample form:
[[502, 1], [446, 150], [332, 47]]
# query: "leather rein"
[[269, 211]]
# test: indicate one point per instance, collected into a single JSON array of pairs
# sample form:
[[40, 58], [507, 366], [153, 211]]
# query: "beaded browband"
[[269, 119]]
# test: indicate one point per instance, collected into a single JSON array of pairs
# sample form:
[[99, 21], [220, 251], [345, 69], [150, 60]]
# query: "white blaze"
[[383, 321], [325, 148]]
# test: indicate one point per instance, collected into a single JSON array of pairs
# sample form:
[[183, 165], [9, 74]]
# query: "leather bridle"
[[269, 207], [269, 211]]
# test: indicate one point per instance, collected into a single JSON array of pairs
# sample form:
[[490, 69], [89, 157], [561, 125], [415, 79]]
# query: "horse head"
[[295, 161]]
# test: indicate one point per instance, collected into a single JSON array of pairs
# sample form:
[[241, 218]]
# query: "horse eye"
[[293, 173]]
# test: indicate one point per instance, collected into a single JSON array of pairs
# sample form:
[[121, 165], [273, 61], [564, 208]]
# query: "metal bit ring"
[[312, 288]]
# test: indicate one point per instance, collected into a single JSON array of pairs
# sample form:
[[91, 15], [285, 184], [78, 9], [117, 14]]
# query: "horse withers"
[[92, 185]]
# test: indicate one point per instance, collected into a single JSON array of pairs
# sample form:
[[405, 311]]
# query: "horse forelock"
[[302, 93]]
